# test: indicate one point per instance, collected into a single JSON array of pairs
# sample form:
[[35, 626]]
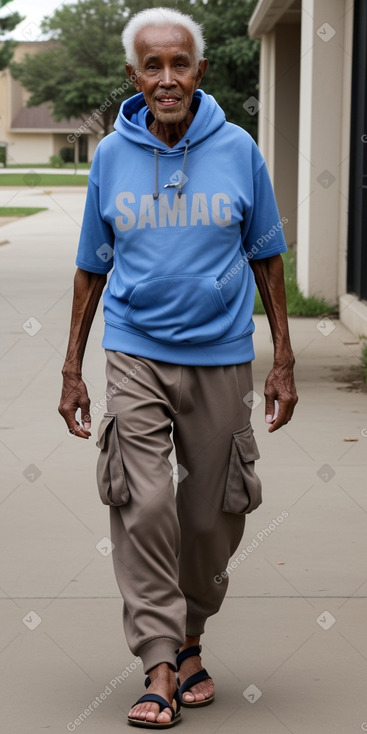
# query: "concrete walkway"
[[289, 650]]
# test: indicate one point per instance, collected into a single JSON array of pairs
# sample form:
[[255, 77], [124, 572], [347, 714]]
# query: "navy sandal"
[[192, 680], [163, 704]]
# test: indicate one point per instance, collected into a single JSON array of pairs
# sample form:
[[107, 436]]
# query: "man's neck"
[[171, 134]]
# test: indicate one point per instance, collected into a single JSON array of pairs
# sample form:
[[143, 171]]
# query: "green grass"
[[46, 165], [20, 211], [297, 303], [42, 179]]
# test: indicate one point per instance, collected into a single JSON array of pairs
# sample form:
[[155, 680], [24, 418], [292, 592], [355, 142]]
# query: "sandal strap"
[[192, 680], [190, 652], [154, 698]]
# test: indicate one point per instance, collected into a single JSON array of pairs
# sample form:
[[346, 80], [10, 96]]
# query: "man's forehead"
[[151, 38]]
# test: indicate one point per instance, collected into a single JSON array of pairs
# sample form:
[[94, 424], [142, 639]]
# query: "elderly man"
[[180, 205]]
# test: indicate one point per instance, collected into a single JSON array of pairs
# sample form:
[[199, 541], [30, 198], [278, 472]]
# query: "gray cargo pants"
[[169, 551]]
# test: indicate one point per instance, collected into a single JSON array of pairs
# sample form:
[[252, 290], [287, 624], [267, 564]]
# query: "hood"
[[132, 116]]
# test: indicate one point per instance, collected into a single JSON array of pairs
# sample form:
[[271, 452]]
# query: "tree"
[[84, 65], [7, 23], [233, 74]]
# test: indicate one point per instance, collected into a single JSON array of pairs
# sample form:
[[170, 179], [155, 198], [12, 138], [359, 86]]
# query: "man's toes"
[[193, 695], [134, 713], [189, 697], [144, 712], [199, 693], [164, 717], [138, 713]]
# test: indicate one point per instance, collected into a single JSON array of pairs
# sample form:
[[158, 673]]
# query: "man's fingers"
[[269, 408], [74, 428], [86, 419], [286, 408], [280, 392], [79, 431], [74, 407]]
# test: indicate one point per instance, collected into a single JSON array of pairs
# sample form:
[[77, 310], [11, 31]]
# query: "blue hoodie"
[[179, 226]]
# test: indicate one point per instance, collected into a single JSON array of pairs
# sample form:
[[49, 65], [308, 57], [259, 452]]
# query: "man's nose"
[[167, 76]]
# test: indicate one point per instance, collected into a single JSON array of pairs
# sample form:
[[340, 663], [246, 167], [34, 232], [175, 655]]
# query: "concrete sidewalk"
[[288, 651]]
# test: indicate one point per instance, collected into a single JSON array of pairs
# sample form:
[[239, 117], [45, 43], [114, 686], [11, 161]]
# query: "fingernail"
[[268, 418], [87, 425]]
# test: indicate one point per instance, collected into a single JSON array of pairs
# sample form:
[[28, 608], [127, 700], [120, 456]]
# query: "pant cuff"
[[159, 650], [195, 624]]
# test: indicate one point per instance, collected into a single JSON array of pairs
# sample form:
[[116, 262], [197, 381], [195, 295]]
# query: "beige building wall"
[[29, 147], [4, 105], [93, 141], [313, 164], [279, 117], [266, 128], [323, 159]]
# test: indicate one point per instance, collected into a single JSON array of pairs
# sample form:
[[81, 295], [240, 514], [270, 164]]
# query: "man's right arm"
[[88, 289]]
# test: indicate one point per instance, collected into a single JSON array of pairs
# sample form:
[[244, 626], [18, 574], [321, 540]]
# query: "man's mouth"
[[168, 101]]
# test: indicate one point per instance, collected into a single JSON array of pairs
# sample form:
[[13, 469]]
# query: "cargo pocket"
[[243, 487], [111, 478]]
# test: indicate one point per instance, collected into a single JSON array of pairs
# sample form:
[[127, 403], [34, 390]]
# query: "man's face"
[[168, 73]]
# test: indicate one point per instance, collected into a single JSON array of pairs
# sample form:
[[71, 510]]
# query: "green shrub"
[[56, 161], [297, 303], [67, 154]]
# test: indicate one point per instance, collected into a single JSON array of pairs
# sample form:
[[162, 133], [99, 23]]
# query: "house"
[[31, 134], [312, 111]]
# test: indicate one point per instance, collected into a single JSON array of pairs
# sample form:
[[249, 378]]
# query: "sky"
[[33, 11]]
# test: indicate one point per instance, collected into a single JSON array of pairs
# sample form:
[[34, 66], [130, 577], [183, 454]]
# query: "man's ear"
[[203, 65], [134, 76]]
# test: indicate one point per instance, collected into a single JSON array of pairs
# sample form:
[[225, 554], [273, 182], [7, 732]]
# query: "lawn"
[[20, 211], [297, 303], [46, 165], [42, 179]]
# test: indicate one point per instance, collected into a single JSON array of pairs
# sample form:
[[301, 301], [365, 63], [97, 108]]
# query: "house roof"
[[40, 119], [268, 13]]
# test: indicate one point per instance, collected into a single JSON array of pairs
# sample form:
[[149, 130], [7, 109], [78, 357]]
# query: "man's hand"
[[280, 386], [88, 289], [75, 395]]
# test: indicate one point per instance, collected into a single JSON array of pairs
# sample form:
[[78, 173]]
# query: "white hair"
[[160, 17]]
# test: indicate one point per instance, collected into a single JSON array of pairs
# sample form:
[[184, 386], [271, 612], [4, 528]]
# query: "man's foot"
[[163, 683], [200, 691]]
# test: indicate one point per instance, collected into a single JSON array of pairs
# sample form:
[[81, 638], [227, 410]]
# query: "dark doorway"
[[83, 149], [357, 226]]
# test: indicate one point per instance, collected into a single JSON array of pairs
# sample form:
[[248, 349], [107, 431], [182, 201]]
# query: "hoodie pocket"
[[243, 487], [111, 480], [181, 308]]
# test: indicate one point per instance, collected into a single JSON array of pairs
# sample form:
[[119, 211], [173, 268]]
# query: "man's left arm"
[[279, 385]]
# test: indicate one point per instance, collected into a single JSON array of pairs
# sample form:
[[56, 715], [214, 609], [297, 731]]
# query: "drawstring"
[[156, 192], [179, 184]]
